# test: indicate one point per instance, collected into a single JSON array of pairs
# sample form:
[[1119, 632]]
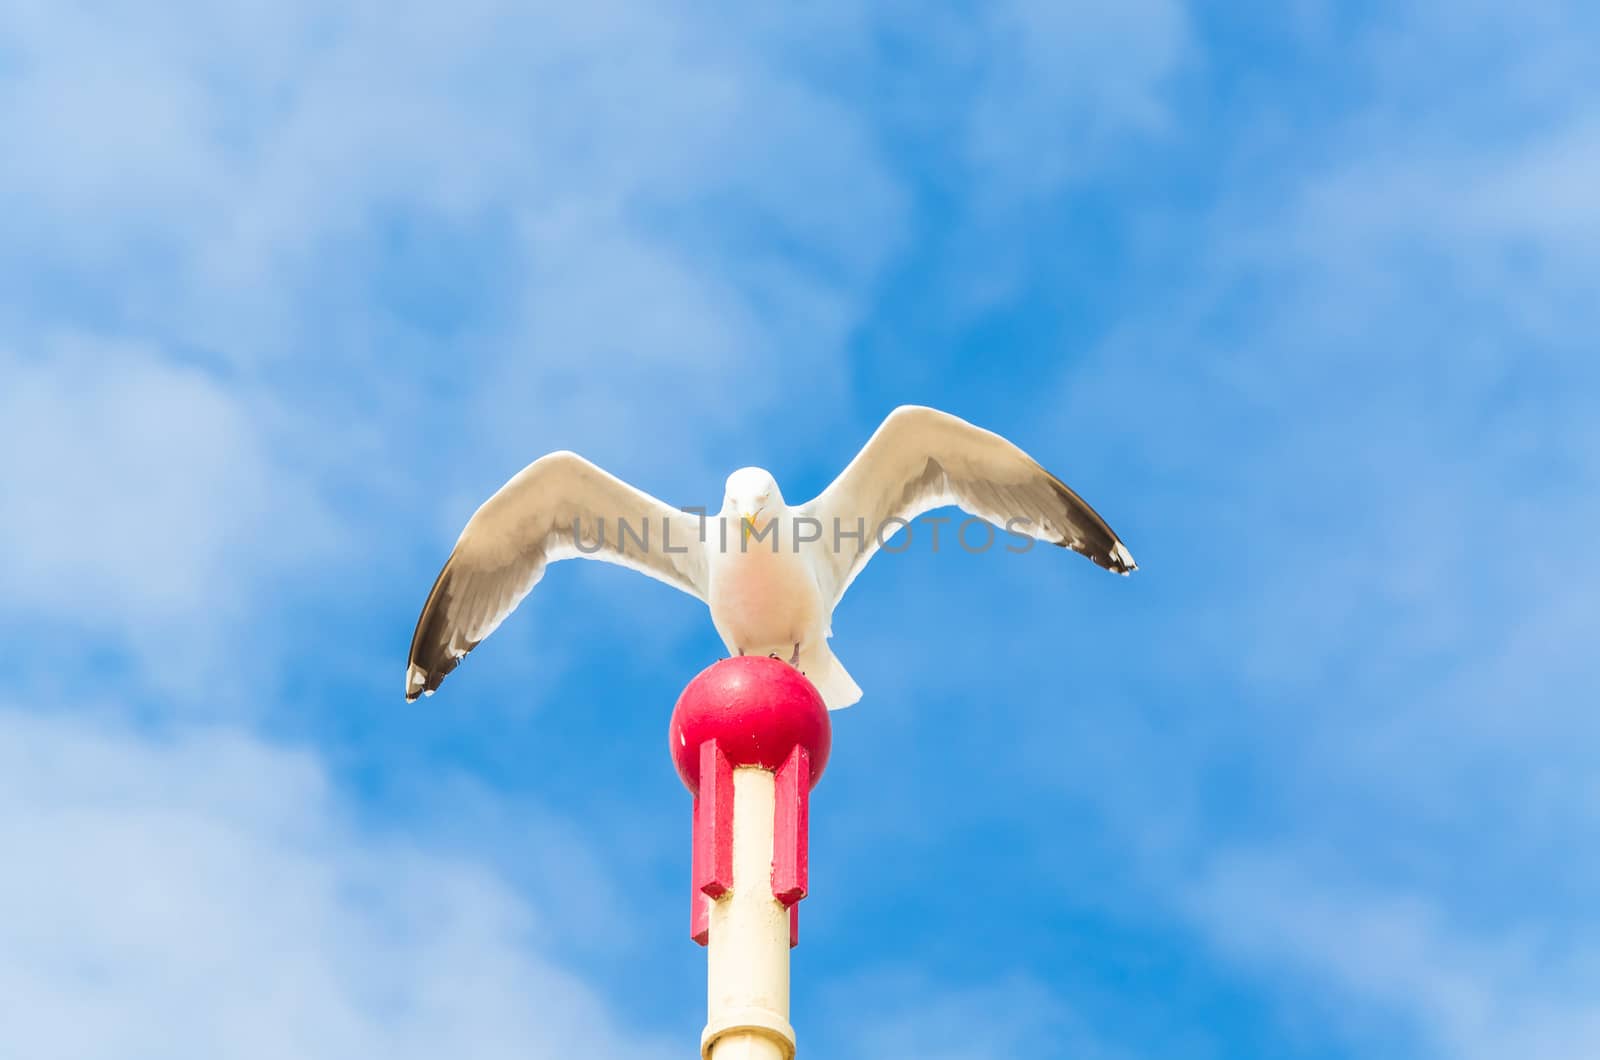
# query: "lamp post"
[[750, 737]]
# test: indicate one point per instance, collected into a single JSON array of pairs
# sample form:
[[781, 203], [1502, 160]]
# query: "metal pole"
[[750, 736], [747, 954]]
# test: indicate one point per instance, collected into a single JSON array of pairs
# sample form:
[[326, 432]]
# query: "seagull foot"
[[793, 660]]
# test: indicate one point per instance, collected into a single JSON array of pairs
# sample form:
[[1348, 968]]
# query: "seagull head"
[[752, 494]]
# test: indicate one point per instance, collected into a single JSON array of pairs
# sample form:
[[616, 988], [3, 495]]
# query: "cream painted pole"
[[747, 952], [749, 736]]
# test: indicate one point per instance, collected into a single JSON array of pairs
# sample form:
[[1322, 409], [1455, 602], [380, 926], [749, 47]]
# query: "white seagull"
[[773, 580]]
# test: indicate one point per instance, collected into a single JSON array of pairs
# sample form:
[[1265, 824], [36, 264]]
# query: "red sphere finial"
[[758, 710]]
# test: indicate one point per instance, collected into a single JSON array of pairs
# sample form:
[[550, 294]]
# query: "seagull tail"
[[837, 687]]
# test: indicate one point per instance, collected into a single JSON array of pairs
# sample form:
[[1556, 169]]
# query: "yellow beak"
[[747, 523]]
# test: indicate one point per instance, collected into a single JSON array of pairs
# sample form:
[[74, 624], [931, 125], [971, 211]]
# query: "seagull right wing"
[[920, 459], [558, 507]]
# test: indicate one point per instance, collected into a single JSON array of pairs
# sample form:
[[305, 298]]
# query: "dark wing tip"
[[1102, 547], [419, 681], [424, 678], [1117, 560], [431, 657]]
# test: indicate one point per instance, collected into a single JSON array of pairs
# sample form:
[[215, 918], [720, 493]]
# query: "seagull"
[[771, 574]]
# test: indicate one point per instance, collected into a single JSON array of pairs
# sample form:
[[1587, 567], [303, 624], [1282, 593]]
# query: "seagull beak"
[[747, 523]]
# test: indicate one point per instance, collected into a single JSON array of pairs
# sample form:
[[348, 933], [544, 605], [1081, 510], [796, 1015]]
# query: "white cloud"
[[1063, 81], [1379, 360], [203, 894], [899, 1013], [144, 502], [1471, 994], [224, 187], [668, 226], [133, 482], [256, 149], [229, 183], [1370, 399]]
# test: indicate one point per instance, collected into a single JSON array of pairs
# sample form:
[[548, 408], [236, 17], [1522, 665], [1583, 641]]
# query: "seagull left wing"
[[558, 507], [920, 459]]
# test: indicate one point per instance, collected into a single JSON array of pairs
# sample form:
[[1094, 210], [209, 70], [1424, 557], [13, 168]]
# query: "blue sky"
[[1301, 296]]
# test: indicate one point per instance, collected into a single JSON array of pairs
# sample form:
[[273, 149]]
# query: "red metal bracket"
[[790, 858], [791, 824], [713, 837]]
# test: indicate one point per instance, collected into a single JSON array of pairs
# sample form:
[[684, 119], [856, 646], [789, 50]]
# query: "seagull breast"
[[764, 594]]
